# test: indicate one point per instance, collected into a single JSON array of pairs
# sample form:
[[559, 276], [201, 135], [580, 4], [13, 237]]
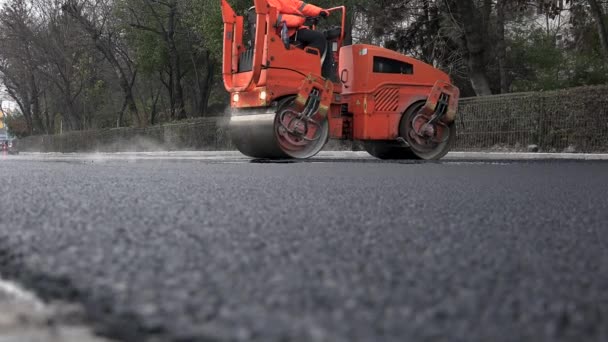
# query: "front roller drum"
[[280, 135]]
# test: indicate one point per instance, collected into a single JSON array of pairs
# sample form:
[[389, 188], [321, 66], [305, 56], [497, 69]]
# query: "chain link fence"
[[571, 120]]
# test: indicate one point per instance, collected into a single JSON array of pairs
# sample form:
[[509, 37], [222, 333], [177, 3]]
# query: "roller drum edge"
[[254, 136]]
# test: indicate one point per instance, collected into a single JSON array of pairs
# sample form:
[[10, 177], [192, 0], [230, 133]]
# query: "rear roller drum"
[[428, 141]]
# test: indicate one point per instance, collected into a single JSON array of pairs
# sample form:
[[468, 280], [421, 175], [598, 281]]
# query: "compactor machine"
[[287, 101]]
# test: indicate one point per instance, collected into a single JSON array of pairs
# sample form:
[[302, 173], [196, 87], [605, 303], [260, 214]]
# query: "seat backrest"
[[251, 19]]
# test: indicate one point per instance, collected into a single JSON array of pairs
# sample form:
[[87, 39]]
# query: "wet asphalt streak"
[[351, 250]]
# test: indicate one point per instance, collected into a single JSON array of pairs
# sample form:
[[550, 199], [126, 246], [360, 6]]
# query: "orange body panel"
[[377, 100], [271, 60]]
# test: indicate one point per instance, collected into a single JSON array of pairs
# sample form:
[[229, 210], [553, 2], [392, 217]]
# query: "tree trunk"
[[154, 109], [34, 100], [470, 19], [201, 90], [178, 91], [48, 118], [170, 91], [208, 83], [487, 13], [598, 15], [74, 120], [427, 47], [500, 46], [24, 105]]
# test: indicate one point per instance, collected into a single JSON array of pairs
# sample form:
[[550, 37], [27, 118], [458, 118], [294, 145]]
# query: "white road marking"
[[235, 156], [526, 156]]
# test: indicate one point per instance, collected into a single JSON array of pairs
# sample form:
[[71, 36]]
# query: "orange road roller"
[[287, 100]]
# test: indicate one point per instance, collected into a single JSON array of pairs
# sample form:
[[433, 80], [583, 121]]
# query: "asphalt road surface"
[[338, 248]]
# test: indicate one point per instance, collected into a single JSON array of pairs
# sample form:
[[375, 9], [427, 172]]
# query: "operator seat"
[[251, 20], [246, 57]]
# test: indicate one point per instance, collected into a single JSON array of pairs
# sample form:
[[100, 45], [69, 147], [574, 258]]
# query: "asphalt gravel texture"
[[331, 250]]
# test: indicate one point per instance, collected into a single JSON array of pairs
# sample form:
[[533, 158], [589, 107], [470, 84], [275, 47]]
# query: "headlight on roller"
[[235, 97]]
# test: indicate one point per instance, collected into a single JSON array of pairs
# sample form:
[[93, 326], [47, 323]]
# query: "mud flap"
[[442, 103], [324, 89]]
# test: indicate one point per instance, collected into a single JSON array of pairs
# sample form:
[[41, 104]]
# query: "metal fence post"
[[541, 122]]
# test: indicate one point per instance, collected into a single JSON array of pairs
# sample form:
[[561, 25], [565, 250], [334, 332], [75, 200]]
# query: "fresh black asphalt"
[[196, 250]]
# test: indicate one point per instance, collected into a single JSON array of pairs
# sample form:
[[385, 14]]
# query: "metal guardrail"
[[570, 120]]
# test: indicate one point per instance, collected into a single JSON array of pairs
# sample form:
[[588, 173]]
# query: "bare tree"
[[162, 18], [501, 51], [18, 64], [95, 17], [64, 56]]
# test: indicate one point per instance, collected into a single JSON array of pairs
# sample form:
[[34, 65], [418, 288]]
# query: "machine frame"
[[398, 106]]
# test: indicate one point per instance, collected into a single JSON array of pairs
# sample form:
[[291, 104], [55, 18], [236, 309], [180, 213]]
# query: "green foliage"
[[148, 49], [540, 62], [206, 20], [150, 52], [16, 125]]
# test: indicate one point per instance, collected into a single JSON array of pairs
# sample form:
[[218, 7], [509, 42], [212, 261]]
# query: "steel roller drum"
[[261, 134], [254, 136]]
